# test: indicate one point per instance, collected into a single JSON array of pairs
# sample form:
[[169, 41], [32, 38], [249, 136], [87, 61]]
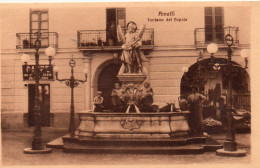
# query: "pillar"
[[146, 65], [87, 66]]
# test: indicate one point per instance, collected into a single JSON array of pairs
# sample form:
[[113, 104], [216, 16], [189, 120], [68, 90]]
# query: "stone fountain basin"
[[132, 125]]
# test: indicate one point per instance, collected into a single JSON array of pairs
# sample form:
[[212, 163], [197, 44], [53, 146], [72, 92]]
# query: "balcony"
[[204, 36], [27, 40], [46, 72], [101, 40]]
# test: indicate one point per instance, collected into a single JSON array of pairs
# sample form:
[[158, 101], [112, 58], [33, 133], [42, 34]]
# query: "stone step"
[[56, 143], [133, 142], [194, 145], [187, 149]]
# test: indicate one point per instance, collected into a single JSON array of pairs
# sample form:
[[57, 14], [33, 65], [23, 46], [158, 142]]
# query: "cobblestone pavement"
[[13, 143]]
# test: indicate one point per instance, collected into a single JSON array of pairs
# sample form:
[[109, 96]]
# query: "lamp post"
[[230, 145], [37, 73], [72, 83], [212, 49]]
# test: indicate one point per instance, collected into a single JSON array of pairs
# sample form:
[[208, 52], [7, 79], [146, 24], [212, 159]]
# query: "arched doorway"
[[214, 84], [106, 80]]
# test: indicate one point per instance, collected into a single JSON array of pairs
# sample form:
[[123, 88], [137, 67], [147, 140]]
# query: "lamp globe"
[[25, 58], [212, 48]]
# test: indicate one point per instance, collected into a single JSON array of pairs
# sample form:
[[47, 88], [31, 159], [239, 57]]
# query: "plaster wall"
[[174, 49]]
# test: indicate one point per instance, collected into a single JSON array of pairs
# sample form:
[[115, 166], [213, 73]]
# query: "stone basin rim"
[[135, 114]]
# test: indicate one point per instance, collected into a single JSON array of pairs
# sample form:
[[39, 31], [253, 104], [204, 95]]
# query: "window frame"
[[212, 32], [45, 31]]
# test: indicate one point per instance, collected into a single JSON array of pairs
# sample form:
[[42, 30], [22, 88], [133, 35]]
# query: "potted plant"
[[25, 43], [242, 121], [212, 126], [99, 41]]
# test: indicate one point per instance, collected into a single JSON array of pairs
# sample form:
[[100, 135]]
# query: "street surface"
[[13, 143]]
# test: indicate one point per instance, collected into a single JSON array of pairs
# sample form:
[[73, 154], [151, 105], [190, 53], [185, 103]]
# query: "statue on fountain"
[[132, 72], [132, 57], [117, 98], [98, 102], [146, 99], [132, 98]]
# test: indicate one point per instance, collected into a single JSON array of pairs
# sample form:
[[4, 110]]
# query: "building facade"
[[174, 38]]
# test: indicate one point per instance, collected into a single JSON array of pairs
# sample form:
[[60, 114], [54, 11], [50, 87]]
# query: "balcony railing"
[[27, 40], [204, 36], [45, 71], [102, 39]]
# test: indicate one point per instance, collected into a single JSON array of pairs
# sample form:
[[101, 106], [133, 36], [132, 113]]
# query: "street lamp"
[[36, 72], [72, 83], [230, 145], [212, 49], [25, 58]]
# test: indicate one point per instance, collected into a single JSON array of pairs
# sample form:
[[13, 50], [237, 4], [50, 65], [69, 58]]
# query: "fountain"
[[136, 116], [135, 124]]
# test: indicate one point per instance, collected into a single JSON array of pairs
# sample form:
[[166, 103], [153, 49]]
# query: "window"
[[39, 23], [214, 30], [115, 16]]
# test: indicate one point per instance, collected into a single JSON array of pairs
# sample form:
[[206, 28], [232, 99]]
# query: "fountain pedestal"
[[165, 125], [131, 78]]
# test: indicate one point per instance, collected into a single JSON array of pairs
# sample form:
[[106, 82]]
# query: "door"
[[106, 81], [39, 23], [115, 16], [44, 91]]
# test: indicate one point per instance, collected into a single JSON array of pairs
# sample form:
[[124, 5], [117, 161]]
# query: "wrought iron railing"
[[45, 71], [27, 40], [204, 36], [242, 101], [101, 38]]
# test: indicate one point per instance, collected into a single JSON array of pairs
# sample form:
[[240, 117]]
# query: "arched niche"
[[104, 78]]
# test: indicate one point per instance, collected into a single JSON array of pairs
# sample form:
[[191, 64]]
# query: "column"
[[87, 64], [146, 65]]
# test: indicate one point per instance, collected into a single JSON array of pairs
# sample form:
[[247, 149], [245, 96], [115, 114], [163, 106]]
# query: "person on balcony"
[[112, 34], [132, 56], [195, 100]]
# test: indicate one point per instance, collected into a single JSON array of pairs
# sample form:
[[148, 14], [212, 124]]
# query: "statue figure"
[[98, 101], [117, 98], [147, 95], [132, 56], [131, 96]]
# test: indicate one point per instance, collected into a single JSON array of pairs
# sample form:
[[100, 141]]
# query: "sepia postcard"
[[129, 83]]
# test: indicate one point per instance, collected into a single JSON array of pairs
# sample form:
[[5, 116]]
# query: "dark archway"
[[240, 78], [202, 76], [106, 80]]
